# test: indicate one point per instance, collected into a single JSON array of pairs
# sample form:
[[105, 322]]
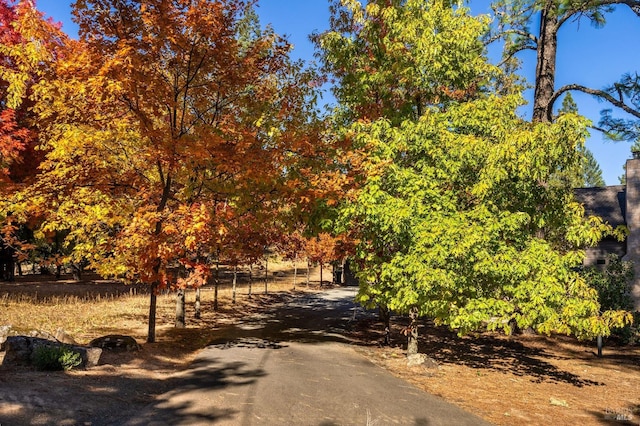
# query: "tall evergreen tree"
[[516, 18], [590, 173]]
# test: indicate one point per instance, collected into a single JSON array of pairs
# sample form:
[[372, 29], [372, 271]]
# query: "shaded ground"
[[525, 379], [290, 366], [511, 381]]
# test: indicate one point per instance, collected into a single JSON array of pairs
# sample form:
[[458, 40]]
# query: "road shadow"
[[334, 317], [489, 351], [116, 399], [308, 318]]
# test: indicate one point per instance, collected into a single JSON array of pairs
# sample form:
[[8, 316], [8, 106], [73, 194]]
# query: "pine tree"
[[514, 23]]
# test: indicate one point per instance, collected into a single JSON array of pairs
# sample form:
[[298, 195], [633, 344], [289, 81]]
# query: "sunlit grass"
[[90, 316]]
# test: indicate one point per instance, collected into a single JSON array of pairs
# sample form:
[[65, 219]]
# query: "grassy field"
[[95, 307]]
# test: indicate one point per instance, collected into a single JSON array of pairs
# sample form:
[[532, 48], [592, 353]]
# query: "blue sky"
[[587, 56]]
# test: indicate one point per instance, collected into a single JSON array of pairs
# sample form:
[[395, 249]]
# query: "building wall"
[[597, 256], [633, 224]]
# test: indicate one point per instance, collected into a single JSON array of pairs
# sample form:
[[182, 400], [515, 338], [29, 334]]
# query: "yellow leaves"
[[31, 54], [163, 140]]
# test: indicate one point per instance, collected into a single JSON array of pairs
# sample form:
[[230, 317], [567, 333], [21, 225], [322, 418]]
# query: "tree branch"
[[521, 33], [634, 5], [619, 103], [513, 53]]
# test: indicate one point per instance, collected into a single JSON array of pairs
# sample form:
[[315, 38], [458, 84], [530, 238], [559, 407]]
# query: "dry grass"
[[83, 318], [97, 307]]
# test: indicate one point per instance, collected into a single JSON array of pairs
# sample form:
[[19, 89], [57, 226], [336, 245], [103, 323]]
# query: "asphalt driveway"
[[293, 366]]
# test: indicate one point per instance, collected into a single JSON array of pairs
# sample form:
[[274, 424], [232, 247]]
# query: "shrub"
[[613, 284], [56, 358]]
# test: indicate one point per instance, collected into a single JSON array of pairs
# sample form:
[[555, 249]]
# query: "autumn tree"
[[29, 48], [165, 111], [291, 248], [321, 249], [14, 137], [447, 213], [535, 25], [29, 44]]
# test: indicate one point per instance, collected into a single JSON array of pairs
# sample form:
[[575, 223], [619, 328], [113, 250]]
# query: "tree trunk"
[[151, 335], [385, 317], [76, 271], [546, 63], [216, 281], [180, 308], [197, 314], [412, 332], [250, 278], [266, 275], [308, 272], [599, 343], [235, 281], [166, 190], [321, 268], [295, 271]]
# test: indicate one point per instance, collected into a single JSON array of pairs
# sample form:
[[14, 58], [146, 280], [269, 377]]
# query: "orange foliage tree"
[[322, 249], [29, 48], [162, 111], [29, 45]]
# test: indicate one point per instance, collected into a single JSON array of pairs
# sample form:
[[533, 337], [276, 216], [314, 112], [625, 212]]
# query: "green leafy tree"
[[454, 214], [396, 58]]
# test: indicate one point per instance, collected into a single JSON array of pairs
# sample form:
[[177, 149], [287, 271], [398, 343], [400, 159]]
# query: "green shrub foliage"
[[460, 211], [56, 358], [613, 285]]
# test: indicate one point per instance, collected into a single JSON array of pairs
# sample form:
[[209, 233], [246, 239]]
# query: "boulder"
[[64, 337], [4, 333], [422, 360], [40, 334], [115, 342], [20, 351]]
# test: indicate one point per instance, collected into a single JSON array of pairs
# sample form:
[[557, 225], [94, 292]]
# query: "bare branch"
[[513, 53]]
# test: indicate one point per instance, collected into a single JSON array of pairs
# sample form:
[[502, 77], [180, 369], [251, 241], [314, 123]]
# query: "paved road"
[[293, 367]]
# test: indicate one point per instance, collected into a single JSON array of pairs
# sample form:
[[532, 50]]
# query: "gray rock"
[[42, 335], [20, 351], [421, 359], [90, 356], [5, 330], [115, 342], [63, 337]]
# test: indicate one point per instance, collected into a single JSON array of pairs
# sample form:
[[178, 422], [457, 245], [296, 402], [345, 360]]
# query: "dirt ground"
[[519, 380]]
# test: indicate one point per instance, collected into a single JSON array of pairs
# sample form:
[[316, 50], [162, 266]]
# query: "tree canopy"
[[175, 134], [458, 214], [170, 129]]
